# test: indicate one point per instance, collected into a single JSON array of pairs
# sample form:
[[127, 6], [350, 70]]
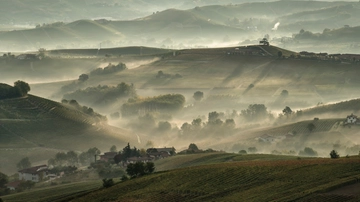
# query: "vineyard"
[[283, 180], [324, 125], [55, 193], [182, 161], [33, 107]]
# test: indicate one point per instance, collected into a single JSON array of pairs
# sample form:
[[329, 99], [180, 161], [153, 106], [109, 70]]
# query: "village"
[[28, 177]]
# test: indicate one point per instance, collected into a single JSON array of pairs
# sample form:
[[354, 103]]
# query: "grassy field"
[[284, 180], [56, 193]]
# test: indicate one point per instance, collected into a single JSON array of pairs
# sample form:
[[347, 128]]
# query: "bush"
[[334, 154], [124, 178], [108, 182], [242, 152]]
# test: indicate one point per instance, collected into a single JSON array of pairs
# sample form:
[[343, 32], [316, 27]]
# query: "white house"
[[34, 174], [352, 119]]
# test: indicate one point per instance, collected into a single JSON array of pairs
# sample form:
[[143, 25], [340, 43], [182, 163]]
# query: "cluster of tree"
[[65, 169], [102, 95], [126, 153], [198, 95], [8, 56], [75, 84], [19, 89], [214, 125], [139, 169], [109, 69], [84, 109], [256, 112], [193, 148], [24, 163], [88, 157], [162, 75], [64, 159], [169, 102]]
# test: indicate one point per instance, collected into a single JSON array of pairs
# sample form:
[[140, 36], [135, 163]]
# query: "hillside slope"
[[31, 125], [286, 180]]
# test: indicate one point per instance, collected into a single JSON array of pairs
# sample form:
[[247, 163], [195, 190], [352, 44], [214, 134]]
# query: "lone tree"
[[334, 154], [284, 93], [311, 127], [193, 147], [198, 95], [287, 111], [24, 163], [280, 54], [22, 86], [113, 148]]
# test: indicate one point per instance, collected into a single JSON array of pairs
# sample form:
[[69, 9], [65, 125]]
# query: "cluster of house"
[[350, 120], [33, 174], [41, 172]]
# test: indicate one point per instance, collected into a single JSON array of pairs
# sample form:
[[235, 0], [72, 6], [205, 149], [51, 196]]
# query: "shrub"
[[124, 178], [108, 182], [242, 152]]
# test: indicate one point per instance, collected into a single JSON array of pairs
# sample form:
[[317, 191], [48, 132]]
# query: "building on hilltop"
[[34, 174]]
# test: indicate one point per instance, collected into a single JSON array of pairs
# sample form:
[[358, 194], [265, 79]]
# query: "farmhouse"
[[34, 174], [352, 119], [160, 153], [266, 138], [107, 156], [13, 185]]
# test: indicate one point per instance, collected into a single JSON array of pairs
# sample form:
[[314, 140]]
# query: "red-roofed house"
[[13, 185], [34, 174], [108, 156]]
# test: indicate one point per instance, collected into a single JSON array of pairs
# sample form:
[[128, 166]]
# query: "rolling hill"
[[32, 124], [284, 180], [222, 176], [210, 25]]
